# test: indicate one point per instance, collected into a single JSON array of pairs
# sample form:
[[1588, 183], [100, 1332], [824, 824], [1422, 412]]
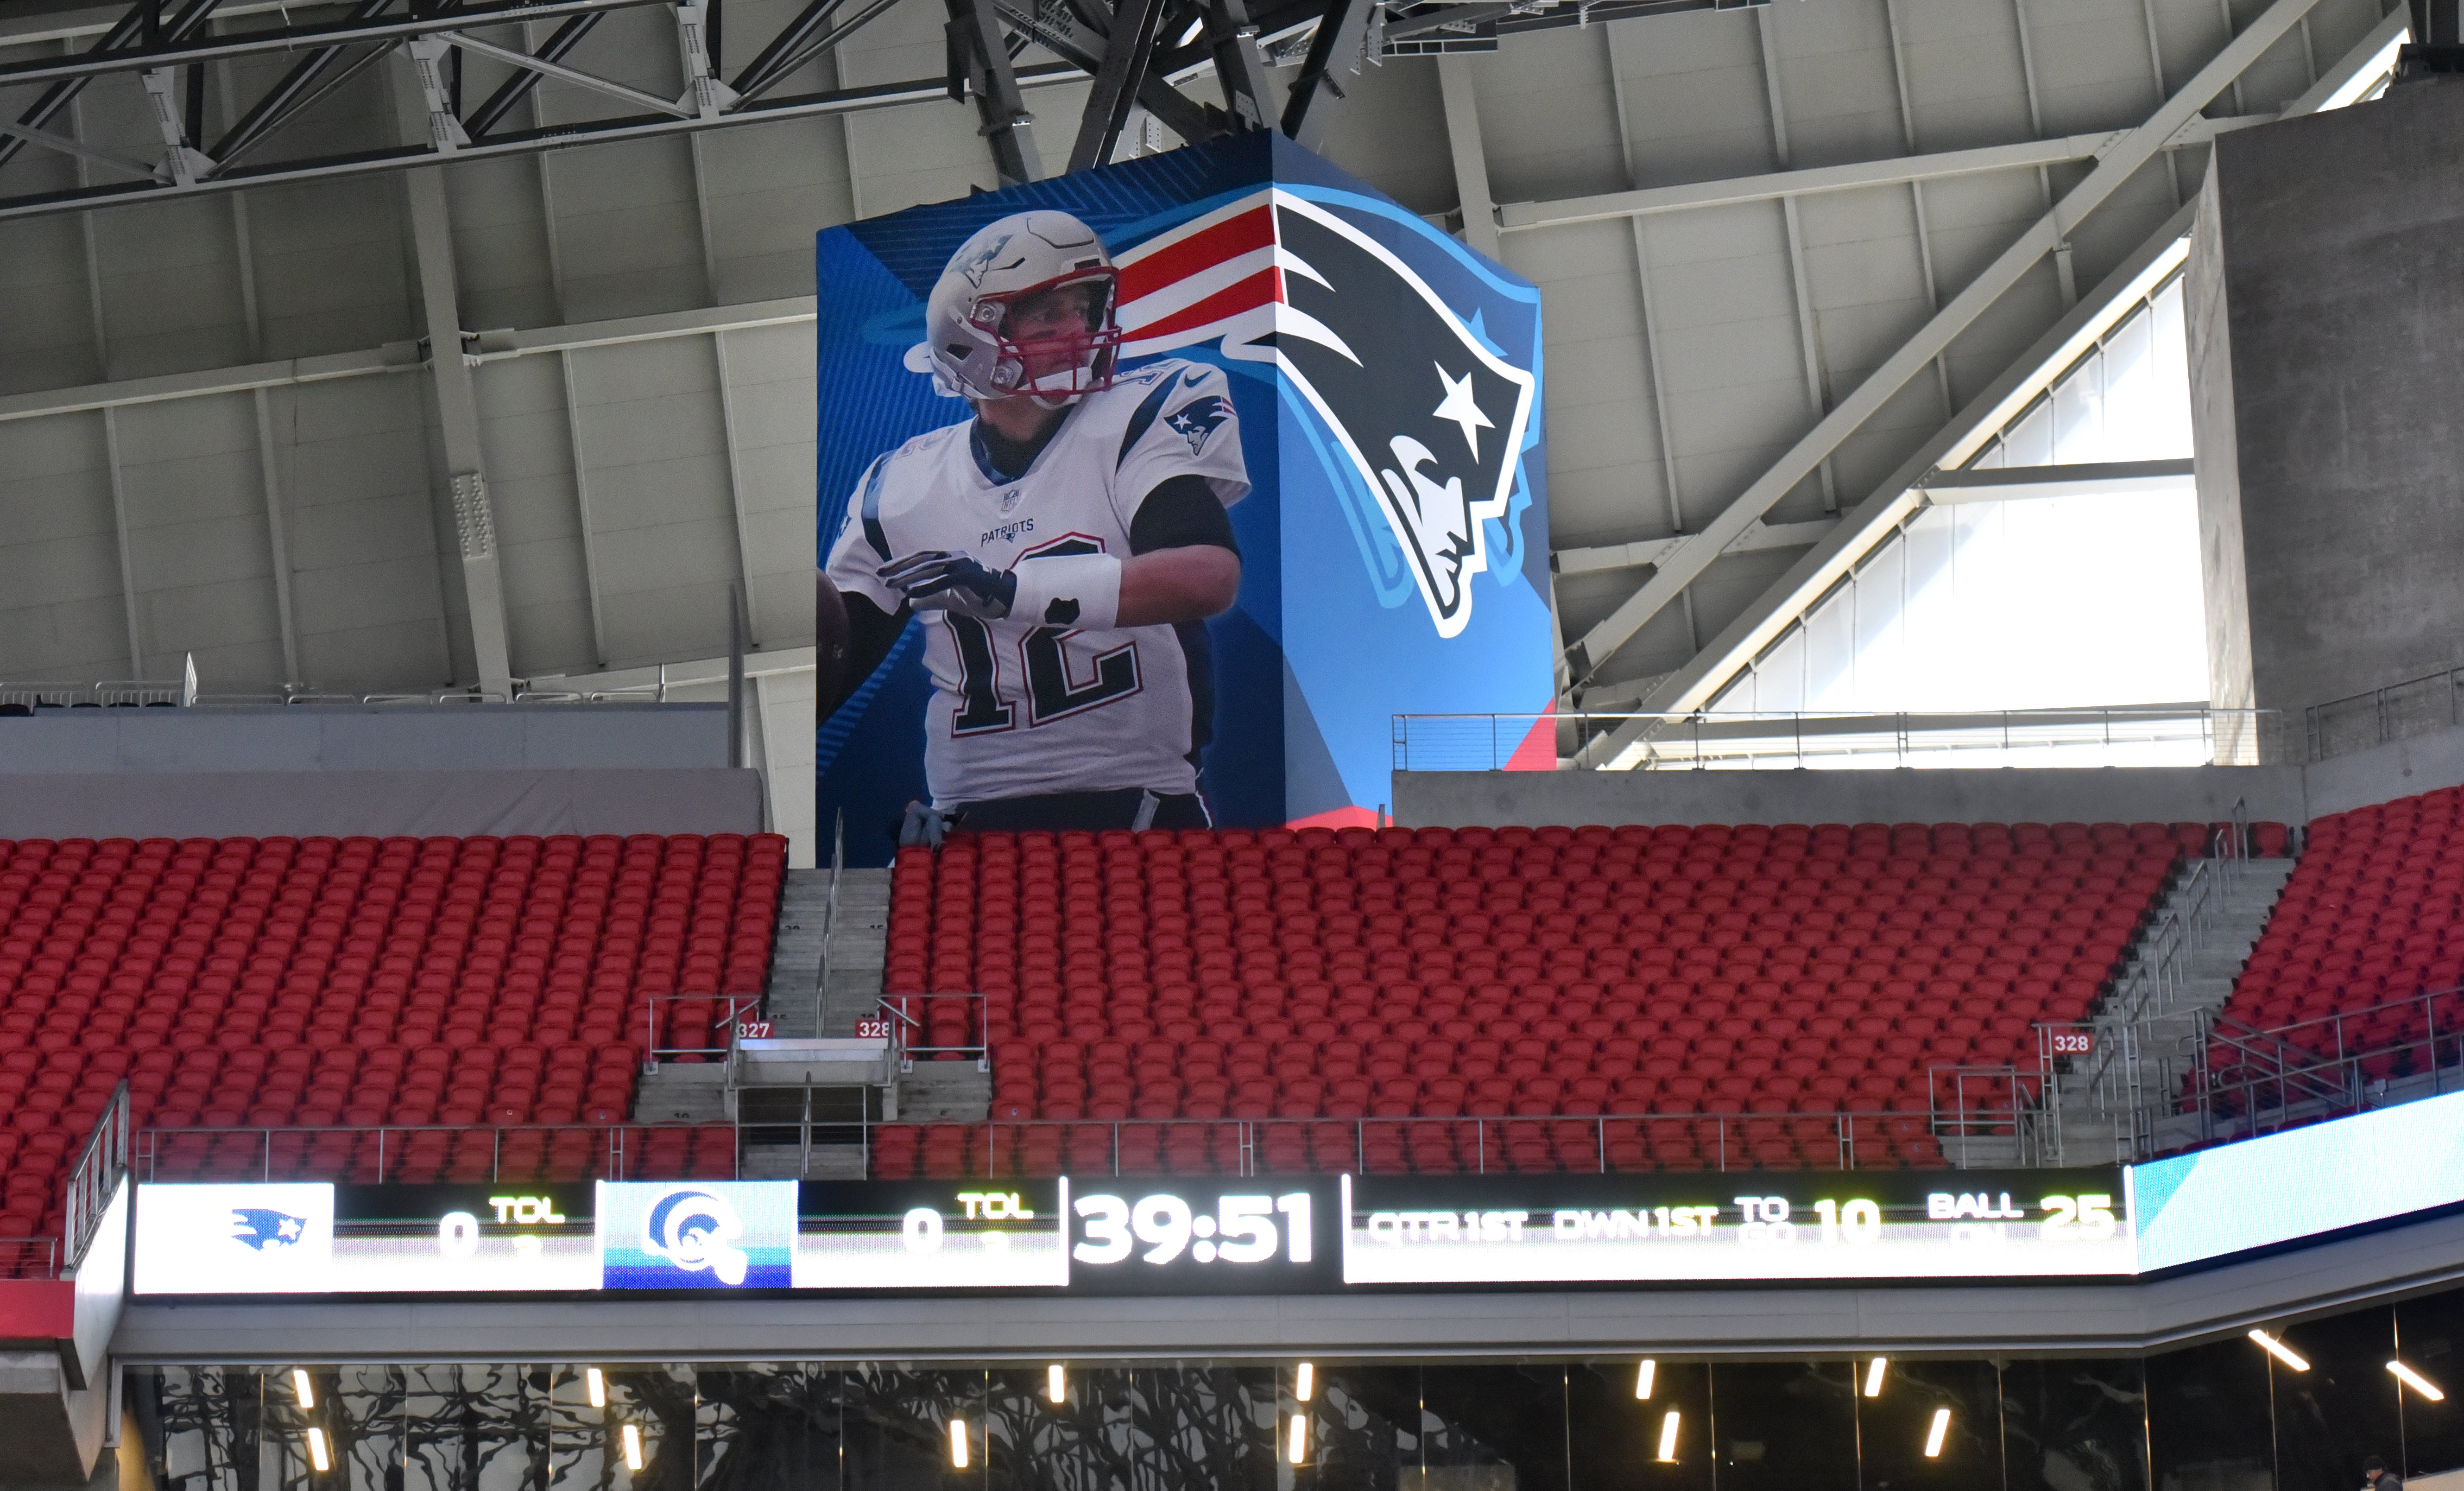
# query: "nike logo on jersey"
[[1431, 415], [1198, 419]]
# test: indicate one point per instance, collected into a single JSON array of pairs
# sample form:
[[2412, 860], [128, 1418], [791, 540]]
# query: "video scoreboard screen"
[[1106, 1235], [1311, 1234]]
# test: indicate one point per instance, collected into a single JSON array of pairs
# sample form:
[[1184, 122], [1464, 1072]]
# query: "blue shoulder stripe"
[[871, 508], [1144, 416]]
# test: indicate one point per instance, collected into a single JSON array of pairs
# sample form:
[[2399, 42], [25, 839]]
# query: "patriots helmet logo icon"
[[1198, 419], [1431, 415], [979, 264], [262, 1228]]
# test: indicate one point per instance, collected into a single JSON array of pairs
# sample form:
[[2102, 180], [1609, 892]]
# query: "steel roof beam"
[[295, 38], [1683, 566]]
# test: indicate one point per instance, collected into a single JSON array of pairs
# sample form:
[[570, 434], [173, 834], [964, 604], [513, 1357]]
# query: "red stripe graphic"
[[1175, 261], [1265, 286]]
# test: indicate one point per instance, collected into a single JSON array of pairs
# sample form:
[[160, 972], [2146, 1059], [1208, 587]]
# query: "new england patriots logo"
[[980, 262], [1198, 419], [1431, 418], [261, 1228]]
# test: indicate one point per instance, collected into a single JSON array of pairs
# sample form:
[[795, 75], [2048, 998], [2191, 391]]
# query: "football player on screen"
[[1064, 547]]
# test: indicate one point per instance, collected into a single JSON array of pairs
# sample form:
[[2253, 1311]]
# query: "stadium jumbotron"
[[1626, 746]]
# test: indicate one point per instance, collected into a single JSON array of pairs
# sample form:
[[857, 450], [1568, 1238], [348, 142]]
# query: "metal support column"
[[979, 66], [457, 416]]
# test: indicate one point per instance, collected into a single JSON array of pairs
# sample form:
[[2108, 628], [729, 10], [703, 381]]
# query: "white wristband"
[[1079, 591]]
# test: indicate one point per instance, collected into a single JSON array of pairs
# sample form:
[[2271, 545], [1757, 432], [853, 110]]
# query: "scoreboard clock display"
[[1253, 1234]]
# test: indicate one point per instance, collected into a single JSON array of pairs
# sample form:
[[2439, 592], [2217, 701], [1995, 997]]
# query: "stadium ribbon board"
[[1310, 1235]]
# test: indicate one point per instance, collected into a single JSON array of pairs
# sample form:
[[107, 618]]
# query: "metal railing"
[[102, 1162], [2246, 1081], [906, 1015], [2399, 711], [738, 1007], [1481, 1145], [2151, 734], [830, 914], [607, 1151]]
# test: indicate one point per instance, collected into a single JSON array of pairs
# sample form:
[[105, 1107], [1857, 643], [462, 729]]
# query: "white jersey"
[[1020, 710]]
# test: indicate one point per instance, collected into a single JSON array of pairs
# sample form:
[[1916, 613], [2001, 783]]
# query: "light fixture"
[[1055, 1385], [597, 1382], [1668, 1438], [1297, 1449], [1935, 1434], [2279, 1350], [1874, 1376], [1644, 1377], [304, 1385], [316, 1455], [2416, 1382], [958, 1443], [632, 1447], [1303, 1382], [1191, 35]]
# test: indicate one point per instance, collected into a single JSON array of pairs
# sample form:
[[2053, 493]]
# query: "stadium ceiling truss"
[[1837, 545], [1135, 54]]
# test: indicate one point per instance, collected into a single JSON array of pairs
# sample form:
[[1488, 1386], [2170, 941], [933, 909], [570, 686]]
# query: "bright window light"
[[317, 1455], [1935, 1434], [632, 1447], [1644, 1377], [1303, 1382], [597, 1382], [1296, 1449], [2279, 1350], [2416, 1382], [1191, 35], [1874, 1376], [304, 1385], [1056, 1386], [958, 1443], [1668, 1438]]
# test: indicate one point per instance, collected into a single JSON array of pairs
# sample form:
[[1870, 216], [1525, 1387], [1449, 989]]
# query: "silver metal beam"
[[119, 527], [2084, 478], [766, 111], [293, 38], [581, 510], [1565, 211], [1595, 557], [513, 58], [1471, 163], [457, 418], [277, 536], [2113, 168]]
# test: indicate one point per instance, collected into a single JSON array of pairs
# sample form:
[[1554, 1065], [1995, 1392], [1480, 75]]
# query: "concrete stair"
[[851, 983], [682, 1092], [796, 954], [2090, 1132]]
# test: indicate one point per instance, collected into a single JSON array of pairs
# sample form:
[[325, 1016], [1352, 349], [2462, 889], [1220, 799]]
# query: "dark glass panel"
[[1893, 1430], [2208, 1425], [2075, 1426], [1785, 1426], [2344, 1408], [1511, 1416], [1615, 1438], [2429, 1339]]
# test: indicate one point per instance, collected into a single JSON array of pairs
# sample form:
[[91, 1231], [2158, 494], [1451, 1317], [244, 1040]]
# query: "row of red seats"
[[465, 1156], [948, 1150], [1329, 976], [2375, 911], [354, 981]]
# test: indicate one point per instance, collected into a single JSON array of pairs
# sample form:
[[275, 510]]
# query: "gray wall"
[[364, 738], [258, 804], [2339, 242], [2094, 795]]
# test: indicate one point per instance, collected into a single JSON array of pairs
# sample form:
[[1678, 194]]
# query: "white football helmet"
[[968, 343]]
